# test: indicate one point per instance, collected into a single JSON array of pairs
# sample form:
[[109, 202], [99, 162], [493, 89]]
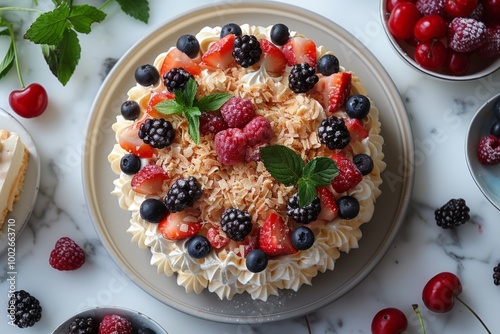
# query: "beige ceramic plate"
[[111, 222]]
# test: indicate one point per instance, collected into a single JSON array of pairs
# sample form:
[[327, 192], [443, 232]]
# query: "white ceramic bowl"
[[138, 320], [479, 67], [487, 178]]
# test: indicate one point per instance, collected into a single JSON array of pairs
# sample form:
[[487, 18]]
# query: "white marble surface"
[[439, 112]]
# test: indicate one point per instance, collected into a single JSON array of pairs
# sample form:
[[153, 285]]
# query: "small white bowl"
[[137, 319], [479, 66], [487, 178]]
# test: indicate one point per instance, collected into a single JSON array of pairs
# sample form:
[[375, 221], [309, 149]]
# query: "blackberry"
[[333, 133], [157, 132], [453, 214], [176, 79], [302, 78], [83, 326], [496, 275], [182, 194], [24, 309], [246, 50], [236, 223], [305, 214]]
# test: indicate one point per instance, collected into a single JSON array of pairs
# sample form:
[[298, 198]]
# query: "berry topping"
[[357, 106], [237, 112], [114, 324], [66, 255], [153, 210], [488, 151], [302, 238], [154, 100], [236, 223], [329, 209], [496, 274], [149, 180], [175, 58], [348, 207], [466, 34], [336, 89], [189, 45], [453, 214], [258, 131], [198, 247], [157, 132], [230, 28], [182, 194], [220, 54], [82, 326], [427, 7], [333, 133], [130, 164], [349, 176], [216, 238], [25, 309], [279, 34], [146, 75], [180, 225], [328, 64], [356, 129], [256, 261], [212, 122], [491, 47], [299, 50], [302, 78], [272, 58], [305, 214], [129, 140], [176, 79], [231, 146], [246, 50], [130, 110], [364, 163], [275, 237]]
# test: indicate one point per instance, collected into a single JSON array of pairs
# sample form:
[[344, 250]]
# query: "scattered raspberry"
[[237, 112], [212, 122], [349, 175], [253, 153], [258, 131], [491, 48], [114, 324], [488, 151], [427, 7], [231, 146], [66, 255], [466, 34]]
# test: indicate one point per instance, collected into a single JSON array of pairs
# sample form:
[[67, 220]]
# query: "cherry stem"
[[472, 311], [420, 318], [104, 5], [20, 9], [16, 56]]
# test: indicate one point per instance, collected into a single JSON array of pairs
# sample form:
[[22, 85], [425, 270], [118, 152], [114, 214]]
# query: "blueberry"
[[328, 64], [364, 163], [153, 210], [146, 75], [256, 260], [302, 238], [145, 331], [198, 247], [348, 207], [189, 45], [130, 164], [357, 106], [231, 28], [496, 109], [279, 34], [130, 110], [495, 129]]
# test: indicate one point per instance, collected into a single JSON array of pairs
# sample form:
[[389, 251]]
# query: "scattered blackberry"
[[176, 79], [302, 78], [182, 194], [333, 133], [305, 214], [246, 50], [24, 309], [452, 214], [83, 326], [496, 275], [236, 223], [157, 132]]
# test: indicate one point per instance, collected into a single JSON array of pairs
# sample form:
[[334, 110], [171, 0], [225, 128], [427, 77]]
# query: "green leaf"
[[321, 171], [282, 163], [307, 192], [212, 102], [189, 92], [50, 27], [194, 127], [10, 56], [63, 58], [83, 16], [170, 107], [138, 9]]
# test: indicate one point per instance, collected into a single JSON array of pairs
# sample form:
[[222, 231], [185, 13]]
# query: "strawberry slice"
[[251, 243], [149, 180], [216, 238], [335, 88], [220, 54], [349, 175], [300, 50], [329, 209], [180, 225], [356, 129], [155, 99], [129, 140], [272, 58], [176, 59], [275, 237]]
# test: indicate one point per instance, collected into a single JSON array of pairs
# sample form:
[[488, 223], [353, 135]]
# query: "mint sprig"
[[287, 167], [186, 104]]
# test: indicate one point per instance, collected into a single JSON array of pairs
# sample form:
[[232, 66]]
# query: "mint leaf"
[[83, 16], [307, 192], [170, 107], [189, 92], [63, 58], [138, 9], [321, 171], [283, 163], [194, 127], [50, 27], [212, 102]]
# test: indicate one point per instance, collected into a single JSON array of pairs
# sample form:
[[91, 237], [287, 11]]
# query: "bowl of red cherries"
[[454, 40]]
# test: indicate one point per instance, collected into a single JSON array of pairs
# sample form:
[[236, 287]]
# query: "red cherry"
[[430, 55], [492, 10], [460, 8], [30, 101], [439, 293], [457, 63], [389, 321], [402, 20], [429, 27], [392, 3]]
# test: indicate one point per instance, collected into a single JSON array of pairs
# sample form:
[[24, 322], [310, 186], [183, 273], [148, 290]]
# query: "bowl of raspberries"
[[482, 149], [454, 40]]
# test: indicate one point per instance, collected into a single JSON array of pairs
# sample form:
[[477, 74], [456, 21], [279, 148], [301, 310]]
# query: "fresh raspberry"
[[114, 324], [488, 150], [66, 255], [427, 7], [466, 34], [212, 122], [258, 131], [237, 112], [253, 153], [349, 175], [231, 146], [491, 48]]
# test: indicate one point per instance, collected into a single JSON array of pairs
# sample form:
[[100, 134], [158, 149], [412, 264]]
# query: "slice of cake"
[[14, 158]]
